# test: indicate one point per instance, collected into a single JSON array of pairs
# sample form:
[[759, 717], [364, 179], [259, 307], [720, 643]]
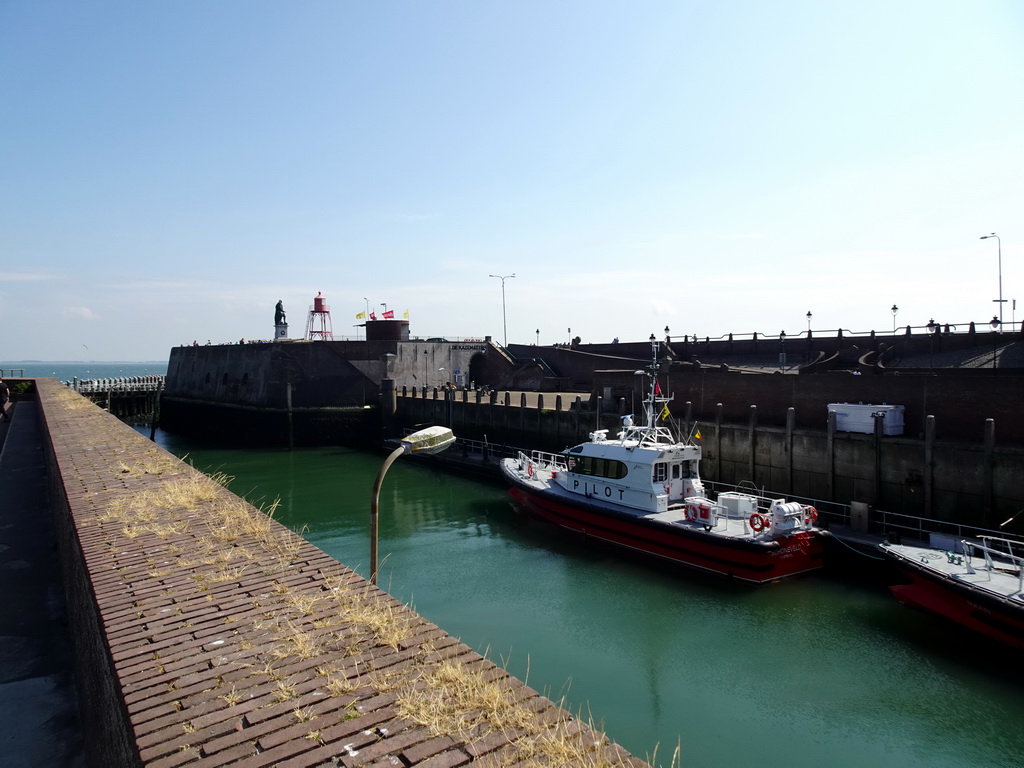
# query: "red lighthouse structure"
[[318, 325]]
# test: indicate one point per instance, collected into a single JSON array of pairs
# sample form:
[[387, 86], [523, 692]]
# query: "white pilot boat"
[[641, 490], [978, 584]]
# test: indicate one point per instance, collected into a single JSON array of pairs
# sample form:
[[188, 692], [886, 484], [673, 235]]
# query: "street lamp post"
[[782, 354], [895, 311], [426, 441], [538, 336], [809, 316], [503, 278], [999, 245]]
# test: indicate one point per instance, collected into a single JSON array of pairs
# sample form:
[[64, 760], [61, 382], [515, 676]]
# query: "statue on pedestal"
[[279, 316]]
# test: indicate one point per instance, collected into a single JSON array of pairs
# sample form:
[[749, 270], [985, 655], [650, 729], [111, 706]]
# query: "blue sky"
[[168, 171]]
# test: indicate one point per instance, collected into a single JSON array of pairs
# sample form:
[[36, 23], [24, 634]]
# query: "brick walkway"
[[210, 635]]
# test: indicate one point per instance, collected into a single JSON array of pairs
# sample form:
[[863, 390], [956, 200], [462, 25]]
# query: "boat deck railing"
[[830, 511], [1003, 549], [923, 528], [546, 460]]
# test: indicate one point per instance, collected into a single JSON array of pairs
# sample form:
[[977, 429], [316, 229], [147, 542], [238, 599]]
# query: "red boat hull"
[[741, 559], [989, 615]]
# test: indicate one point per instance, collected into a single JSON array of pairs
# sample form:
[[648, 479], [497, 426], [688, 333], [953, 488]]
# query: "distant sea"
[[68, 370]]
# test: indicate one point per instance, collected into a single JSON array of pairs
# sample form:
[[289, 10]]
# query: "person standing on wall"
[[5, 396]]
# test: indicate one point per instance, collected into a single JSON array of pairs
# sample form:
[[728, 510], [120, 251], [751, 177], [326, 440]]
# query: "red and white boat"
[[641, 490], [978, 584]]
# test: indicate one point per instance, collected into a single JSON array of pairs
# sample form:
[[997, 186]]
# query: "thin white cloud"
[[12, 277], [80, 313], [162, 285], [747, 236]]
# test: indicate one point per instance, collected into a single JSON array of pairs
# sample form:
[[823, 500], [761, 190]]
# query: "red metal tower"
[[318, 326]]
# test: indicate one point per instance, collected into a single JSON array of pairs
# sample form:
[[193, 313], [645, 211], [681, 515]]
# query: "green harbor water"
[[817, 671]]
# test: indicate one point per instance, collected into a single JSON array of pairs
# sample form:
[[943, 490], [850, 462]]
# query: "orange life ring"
[[529, 469], [691, 513], [759, 522]]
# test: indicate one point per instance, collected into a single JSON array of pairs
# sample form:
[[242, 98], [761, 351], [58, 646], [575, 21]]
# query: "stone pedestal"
[[280, 331]]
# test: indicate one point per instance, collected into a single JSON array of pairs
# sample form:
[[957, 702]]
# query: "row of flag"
[[389, 315]]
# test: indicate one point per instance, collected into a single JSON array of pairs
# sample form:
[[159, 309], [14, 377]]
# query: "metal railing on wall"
[[928, 329]]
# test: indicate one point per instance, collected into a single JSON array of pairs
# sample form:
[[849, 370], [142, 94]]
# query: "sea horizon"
[[68, 370]]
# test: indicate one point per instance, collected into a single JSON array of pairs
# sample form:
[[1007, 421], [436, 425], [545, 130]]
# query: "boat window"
[[596, 467], [675, 471], [660, 472]]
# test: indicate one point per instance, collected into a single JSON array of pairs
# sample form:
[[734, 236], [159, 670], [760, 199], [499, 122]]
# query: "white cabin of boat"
[[640, 469]]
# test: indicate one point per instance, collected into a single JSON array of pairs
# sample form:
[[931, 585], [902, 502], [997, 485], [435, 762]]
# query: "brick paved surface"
[[230, 641]]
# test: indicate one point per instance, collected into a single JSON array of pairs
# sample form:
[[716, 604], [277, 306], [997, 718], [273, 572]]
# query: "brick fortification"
[[207, 634]]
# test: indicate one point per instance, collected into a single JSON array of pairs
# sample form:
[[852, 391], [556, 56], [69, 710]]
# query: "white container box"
[[860, 417]]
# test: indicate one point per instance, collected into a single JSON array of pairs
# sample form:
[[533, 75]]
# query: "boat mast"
[[651, 432]]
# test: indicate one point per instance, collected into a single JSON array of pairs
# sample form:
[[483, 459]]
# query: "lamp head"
[[429, 440]]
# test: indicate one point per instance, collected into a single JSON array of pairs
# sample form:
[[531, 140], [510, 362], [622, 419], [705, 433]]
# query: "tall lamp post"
[[895, 311], [809, 316], [503, 278], [426, 441], [999, 245]]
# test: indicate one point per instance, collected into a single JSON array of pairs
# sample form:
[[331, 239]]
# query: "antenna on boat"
[[1006, 522]]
